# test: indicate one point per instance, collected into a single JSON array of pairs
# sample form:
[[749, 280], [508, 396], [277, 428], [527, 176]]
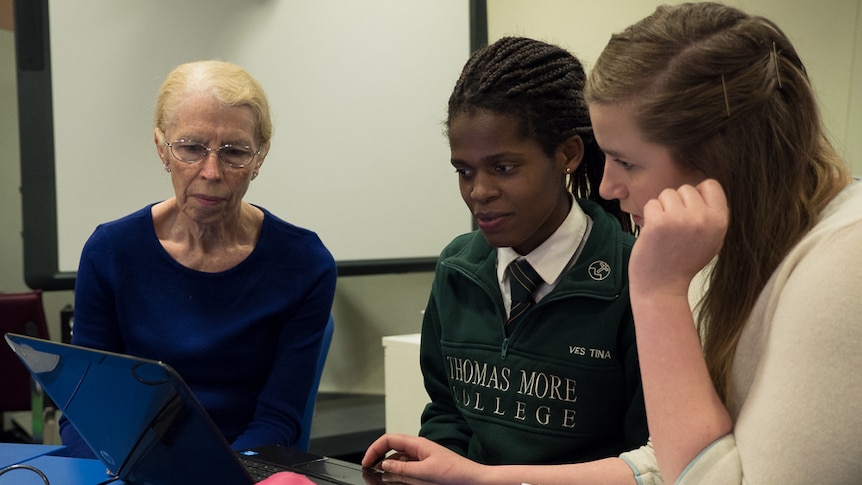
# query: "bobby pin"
[[775, 62]]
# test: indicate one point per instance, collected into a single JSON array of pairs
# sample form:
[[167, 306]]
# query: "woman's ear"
[[158, 139], [571, 153], [264, 151]]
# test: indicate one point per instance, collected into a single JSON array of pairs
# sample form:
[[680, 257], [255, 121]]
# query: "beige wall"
[[11, 257], [827, 33]]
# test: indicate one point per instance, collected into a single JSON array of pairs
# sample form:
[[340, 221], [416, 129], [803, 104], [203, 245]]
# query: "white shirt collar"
[[553, 256]]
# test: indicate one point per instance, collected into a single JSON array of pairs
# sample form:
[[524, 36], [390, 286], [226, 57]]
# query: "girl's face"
[[516, 192], [636, 170]]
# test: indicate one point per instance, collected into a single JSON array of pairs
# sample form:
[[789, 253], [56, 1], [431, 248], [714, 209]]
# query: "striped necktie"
[[523, 281]]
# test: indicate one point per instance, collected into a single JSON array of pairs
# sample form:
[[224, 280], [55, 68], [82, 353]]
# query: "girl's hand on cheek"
[[683, 230]]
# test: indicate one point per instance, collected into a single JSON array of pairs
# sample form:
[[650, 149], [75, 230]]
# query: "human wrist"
[[656, 293], [495, 475], [660, 309]]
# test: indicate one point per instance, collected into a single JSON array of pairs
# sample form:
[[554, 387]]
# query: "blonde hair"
[[228, 83]]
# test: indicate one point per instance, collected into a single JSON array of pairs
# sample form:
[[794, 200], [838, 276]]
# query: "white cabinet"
[[405, 392]]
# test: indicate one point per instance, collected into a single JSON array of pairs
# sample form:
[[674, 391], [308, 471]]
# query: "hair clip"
[[726, 101], [775, 63]]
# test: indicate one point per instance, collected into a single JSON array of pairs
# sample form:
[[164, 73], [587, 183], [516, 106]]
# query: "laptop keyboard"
[[259, 470]]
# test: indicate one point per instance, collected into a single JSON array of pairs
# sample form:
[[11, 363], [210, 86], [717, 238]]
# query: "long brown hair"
[[727, 93]]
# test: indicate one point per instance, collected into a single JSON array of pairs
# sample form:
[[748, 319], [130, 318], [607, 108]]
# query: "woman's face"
[[514, 190], [636, 170], [209, 190]]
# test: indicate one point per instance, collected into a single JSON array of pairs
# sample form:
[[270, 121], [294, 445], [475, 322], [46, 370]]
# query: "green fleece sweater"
[[563, 387]]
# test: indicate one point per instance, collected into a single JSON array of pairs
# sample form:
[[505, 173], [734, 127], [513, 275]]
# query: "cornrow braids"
[[541, 85]]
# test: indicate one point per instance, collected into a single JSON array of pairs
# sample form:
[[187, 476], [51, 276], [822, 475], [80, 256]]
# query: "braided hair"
[[541, 85]]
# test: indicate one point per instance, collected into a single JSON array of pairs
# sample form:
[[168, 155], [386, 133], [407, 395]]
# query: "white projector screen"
[[358, 92]]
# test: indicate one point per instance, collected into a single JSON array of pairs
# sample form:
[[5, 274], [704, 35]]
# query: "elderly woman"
[[231, 296]]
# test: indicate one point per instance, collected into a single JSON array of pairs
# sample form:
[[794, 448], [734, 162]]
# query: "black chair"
[[22, 313]]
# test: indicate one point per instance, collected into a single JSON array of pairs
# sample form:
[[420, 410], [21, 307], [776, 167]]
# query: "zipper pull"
[[505, 348]]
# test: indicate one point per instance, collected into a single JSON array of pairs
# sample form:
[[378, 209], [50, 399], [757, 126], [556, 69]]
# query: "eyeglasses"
[[235, 156]]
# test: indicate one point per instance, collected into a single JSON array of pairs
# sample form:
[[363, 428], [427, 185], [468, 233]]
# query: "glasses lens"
[[188, 151], [235, 155]]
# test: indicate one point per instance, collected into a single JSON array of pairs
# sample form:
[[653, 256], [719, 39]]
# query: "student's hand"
[[422, 459], [286, 478], [683, 230]]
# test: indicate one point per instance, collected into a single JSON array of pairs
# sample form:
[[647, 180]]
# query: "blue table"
[[59, 469], [11, 453]]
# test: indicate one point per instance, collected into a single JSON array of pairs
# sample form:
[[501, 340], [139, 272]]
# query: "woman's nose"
[[483, 188], [211, 166], [611, 188]]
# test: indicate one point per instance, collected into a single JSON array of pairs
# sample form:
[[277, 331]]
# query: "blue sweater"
[[246, 340]]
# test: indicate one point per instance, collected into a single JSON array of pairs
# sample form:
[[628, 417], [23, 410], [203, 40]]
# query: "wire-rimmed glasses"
[[235, 156]]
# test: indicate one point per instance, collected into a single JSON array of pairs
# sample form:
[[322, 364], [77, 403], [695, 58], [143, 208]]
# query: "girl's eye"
[[463, 172], [504, 168], [623, 164]]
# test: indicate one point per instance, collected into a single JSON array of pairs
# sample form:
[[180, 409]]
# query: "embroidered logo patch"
[[599, 270]]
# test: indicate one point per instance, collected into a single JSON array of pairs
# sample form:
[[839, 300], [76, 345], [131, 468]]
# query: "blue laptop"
[[146, 426]]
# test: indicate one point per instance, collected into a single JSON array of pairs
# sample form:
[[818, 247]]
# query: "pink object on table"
[[286, 478]]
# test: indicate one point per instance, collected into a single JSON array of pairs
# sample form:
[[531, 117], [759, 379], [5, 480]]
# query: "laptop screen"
[[137, 415]]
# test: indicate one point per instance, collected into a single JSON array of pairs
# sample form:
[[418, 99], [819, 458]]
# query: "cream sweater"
[[798, 389]]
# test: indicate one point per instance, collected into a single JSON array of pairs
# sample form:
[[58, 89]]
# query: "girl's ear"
[[571, 153]]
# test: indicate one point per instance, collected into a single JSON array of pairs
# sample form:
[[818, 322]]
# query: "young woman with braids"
[[714, 143], [561, 383]]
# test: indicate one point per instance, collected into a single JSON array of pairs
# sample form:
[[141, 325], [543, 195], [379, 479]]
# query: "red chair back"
[[21, 313]]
